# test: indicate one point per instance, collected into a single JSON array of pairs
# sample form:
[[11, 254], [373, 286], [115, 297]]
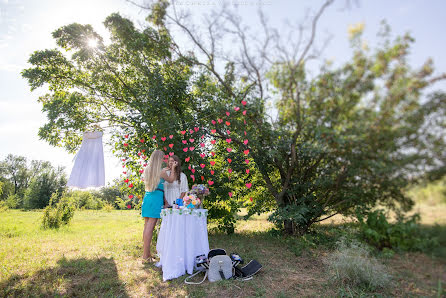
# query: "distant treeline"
[[30, 184]]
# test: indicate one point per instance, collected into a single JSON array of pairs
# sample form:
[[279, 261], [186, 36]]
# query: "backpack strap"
[[222, 275], [160, 189], [196, 283]]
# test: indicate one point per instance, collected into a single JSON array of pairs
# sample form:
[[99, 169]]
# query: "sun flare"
[[92, 43]]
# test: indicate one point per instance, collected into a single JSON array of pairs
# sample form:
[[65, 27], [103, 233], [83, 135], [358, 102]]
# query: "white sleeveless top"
[[88, 169], [173, 190]]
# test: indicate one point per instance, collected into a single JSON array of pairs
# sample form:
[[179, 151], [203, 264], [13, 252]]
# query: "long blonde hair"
[[152, 172]]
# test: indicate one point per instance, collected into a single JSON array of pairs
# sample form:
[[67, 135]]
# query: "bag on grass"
[[246, 272], [220, 268], [212, 268]]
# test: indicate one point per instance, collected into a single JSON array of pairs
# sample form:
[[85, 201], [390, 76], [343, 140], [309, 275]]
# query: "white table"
[[183, 236]]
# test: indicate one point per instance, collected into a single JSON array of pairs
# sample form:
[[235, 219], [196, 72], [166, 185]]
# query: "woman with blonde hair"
[[154, 177]]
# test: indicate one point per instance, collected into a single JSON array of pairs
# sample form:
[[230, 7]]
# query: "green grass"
[[98, 254]]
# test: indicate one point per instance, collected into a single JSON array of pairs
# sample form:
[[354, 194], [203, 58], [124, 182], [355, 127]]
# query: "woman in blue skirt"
[[154, 177]]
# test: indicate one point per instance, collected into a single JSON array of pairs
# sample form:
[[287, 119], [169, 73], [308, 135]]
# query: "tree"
[[345, 138], [15, 176], [43, 186], [14, 169], [135, 87]]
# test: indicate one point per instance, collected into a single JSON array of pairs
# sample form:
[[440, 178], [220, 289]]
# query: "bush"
[[14, 201], [3, 206], [42, 187], [319, 237], [109, 194], [352, 265], [108, 207], [404, 235], [61, 214], [86, 200], [122, 205]]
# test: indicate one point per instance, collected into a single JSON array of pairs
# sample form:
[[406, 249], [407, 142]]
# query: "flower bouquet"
[[198, 192], [190, 200]]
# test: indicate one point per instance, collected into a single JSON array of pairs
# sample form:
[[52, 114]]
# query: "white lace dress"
[[173, 190], [88, 169]]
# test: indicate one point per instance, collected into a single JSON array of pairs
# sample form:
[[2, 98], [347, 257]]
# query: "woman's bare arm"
[[168, 178]]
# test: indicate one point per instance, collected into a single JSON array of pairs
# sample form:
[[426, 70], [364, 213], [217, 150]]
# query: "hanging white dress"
[[88, 169], [172, 191]]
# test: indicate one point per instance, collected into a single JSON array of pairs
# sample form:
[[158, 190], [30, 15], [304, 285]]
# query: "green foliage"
[[42, 187], [86, 200], [109, 193], [403, 235], [14, 201], [296, 214], [54, 216], [14, 169], [138, 86], [16, 173], [352, 136], [122, 205], [431, 193], [3, 206], [7, 188], [318, 237], [352, 265], [360, 132], [108, 207]]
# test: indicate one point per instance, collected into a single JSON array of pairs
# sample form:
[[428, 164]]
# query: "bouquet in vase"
[[190, 200], [198, 191]]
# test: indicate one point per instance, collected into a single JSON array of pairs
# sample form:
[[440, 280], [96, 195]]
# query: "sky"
[[26, 26]]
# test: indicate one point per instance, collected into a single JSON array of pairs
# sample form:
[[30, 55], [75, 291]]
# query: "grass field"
[[98, 254]]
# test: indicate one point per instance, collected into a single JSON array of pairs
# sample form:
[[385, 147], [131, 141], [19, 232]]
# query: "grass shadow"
[[75, 277]]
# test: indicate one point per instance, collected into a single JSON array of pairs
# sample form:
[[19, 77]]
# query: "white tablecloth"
[[183, 236]]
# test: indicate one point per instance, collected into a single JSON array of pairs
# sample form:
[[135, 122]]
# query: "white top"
[[88, 169], [173, 190]]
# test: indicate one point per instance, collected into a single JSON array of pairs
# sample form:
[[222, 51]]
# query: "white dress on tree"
[[88, 169], [172, 191]]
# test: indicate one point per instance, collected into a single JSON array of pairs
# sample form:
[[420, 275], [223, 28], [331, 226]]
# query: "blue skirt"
[[152, 204]]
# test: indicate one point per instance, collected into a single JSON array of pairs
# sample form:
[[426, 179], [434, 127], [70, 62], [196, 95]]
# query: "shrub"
[[3, 206], [14, 201], [42, 187], [60, 214], [108, 207], [352, 265], [86, 200], [404, 235], [122, 205]]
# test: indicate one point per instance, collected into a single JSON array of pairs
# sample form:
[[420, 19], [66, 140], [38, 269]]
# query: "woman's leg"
[[146, 220], [150, 224]]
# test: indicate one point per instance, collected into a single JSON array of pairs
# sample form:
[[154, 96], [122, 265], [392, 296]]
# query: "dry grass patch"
[[418, 274]]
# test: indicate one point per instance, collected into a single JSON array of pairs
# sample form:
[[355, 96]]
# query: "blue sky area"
[[26, 26]]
